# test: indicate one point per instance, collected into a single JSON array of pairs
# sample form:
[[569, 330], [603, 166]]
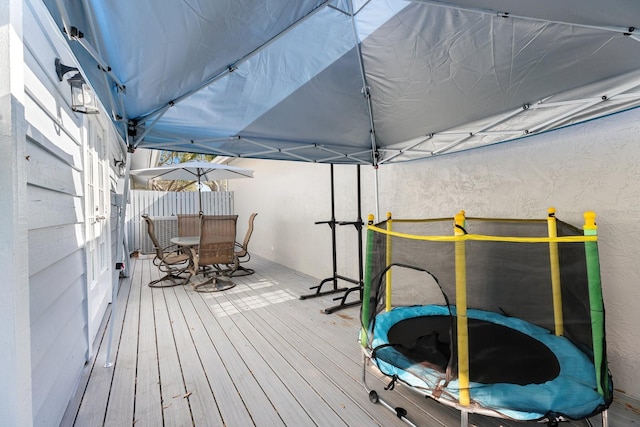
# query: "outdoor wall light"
[[121, 165], [83, 100]]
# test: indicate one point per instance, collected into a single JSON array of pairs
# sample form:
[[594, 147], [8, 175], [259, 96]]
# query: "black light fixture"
[[121, 165], [83, 100]]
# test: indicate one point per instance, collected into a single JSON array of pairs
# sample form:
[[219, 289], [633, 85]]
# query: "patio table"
[[189, 243]]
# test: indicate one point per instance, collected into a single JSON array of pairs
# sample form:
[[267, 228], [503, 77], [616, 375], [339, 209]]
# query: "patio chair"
[[217, 247], [172, 261], [242, 251], [188, 225]]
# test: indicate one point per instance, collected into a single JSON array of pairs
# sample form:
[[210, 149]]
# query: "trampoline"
[[524, 339]]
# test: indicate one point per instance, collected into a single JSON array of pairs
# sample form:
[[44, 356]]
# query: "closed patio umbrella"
[[194, 171]]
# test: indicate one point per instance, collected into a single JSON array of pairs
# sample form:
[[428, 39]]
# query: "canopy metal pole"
[[122, 251], [484, 128], [610, 95], [376, 192], [92, 28], [404, 150], [90, 50], [365, 87], [505, 14], [230, 69]]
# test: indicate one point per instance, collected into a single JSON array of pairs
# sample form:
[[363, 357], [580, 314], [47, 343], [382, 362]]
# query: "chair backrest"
[[152, 235], [245, 243], [217, 239], [188, 225]]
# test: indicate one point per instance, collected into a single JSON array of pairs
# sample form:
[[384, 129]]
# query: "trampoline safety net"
[[482, 276]]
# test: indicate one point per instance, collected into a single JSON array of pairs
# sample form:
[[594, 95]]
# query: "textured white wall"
[[593, 166]]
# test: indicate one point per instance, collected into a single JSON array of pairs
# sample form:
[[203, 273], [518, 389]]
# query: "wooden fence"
[[163, 206]]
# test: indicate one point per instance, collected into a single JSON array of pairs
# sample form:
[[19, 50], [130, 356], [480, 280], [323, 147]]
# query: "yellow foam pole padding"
[[389, 261], [461, 311], [483, 238], [554, 263]]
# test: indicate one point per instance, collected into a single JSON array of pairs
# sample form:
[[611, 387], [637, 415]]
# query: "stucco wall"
[[594, 166]]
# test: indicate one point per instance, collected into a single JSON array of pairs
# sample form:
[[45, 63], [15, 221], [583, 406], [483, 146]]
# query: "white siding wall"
[[15, 367], [53, 165], [594, 166], [55, 215]]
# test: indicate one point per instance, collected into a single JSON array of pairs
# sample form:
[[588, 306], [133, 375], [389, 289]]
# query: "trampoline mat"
[[497, 353], [517, 369]]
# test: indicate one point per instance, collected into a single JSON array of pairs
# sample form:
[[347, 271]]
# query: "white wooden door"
[[97, 226]]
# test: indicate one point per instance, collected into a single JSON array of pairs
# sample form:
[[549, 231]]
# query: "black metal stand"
[[335, 277]]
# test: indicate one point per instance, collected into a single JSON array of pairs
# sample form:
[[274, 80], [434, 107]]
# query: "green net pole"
[[366, 292], [596, 305]]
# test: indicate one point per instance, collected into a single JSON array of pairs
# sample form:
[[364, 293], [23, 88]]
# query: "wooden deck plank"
[[229, 405], [269, 346], [251, 395], [148, 407], [264, 364], [76, 401], [175, 409], [329, 380], [254, 355], [340, 330], [421, 410], [624, 412], [334, 337], [198, 389], [95, 397], [122, 396], [281, 396]]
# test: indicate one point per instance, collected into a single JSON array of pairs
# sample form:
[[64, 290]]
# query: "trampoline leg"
[[374, 398], [464, 418], [365, 360], [605, 418]]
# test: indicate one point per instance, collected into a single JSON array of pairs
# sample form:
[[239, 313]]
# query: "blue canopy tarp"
[[357, 81]]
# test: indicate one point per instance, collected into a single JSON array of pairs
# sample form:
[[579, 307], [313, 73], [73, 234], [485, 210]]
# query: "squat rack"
[[333, 279]]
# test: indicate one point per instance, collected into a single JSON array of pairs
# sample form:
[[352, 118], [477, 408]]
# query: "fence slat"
[[165, 205]]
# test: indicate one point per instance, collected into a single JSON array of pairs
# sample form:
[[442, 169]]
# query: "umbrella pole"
[[199, 197]]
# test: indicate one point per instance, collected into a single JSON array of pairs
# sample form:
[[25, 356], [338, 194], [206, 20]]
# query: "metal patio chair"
[[172, 260], [217, 247], [188, 225], [242, 251]]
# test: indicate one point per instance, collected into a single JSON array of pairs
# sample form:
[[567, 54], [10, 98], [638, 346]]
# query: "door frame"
[[97, 205]]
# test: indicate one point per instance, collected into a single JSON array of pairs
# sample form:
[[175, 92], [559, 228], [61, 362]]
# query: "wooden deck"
[[254, 355]]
